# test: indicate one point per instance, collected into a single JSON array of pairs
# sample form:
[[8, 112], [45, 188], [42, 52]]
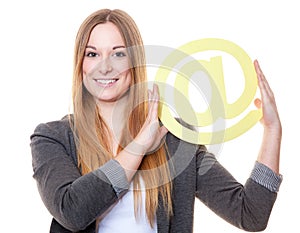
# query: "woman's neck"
[[114, 116]]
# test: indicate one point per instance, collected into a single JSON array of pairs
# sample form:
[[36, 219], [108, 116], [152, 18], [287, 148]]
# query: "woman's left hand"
[[270, 119], [269, 153]]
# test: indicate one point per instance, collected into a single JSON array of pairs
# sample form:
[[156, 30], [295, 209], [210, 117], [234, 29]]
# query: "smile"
[[106, 81]]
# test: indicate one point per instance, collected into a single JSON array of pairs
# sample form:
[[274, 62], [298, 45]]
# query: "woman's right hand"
[[151, 135], [148, 140]]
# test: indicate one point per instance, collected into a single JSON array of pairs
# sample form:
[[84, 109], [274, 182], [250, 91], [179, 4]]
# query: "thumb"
[[163, 131], [258, 103]]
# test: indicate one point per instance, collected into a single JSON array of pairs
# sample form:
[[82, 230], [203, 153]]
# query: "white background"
[[36, 50]]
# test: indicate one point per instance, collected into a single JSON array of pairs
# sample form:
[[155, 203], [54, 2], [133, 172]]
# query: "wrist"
[[273, 127], [274, 130], [136, 148]]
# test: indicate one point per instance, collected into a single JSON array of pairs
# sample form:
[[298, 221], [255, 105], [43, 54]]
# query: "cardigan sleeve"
[[75, 201], [247, 206]]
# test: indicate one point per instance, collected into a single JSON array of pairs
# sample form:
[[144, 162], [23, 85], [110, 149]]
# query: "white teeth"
[[106, 81]]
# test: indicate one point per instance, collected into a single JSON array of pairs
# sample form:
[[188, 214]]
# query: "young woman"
[[110, 167]]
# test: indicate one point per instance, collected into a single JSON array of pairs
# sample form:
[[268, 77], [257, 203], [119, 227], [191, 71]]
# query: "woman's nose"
[[105, 66]]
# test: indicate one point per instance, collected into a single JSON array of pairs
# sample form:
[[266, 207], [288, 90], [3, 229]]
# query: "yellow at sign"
[[218, 105]]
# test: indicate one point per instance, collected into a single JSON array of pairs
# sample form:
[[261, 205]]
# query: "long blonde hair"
[[92, 134]]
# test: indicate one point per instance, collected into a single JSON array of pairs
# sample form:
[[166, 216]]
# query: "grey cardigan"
[[75, 201]]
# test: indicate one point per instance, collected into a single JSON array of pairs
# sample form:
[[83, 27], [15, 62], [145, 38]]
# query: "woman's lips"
[[106, 82]]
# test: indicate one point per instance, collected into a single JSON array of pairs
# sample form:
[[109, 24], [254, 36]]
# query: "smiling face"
[[106, 71]]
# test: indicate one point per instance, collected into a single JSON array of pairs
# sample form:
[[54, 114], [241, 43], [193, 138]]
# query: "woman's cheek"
[[87, 66]]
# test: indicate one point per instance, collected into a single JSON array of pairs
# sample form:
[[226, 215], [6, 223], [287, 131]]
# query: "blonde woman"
[[109, 166]]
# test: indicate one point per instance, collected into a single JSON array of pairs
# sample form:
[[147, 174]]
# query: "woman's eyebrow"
[[91, 47], [115, 47], [118, 47]]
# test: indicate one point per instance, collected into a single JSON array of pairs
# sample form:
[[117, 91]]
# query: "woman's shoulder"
[[58, 128], [57, 133]]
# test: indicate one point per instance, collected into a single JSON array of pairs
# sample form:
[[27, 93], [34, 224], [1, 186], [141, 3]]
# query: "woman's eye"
[[119, 54], [91, 54]]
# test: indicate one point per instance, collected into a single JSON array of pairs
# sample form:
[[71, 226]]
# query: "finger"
[[267, 96], [262, 81], [152, 105], [153, 95], [150, 95], [153, 109], [155, 101], [156, 92], [263, 85], [258, 103]]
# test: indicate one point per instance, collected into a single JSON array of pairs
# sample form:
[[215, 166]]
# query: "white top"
[[121, 218]]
